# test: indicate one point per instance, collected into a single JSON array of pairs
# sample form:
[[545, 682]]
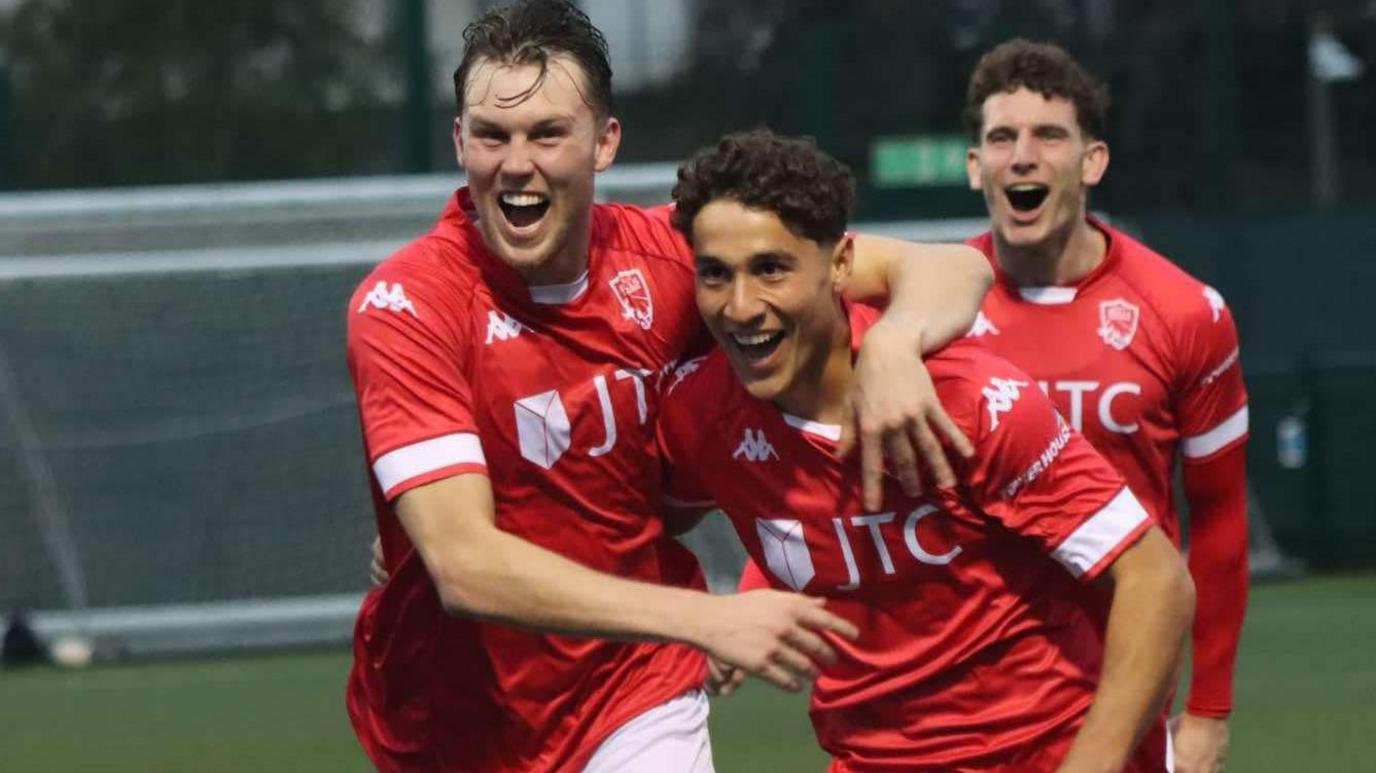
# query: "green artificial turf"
[[1306, 698]]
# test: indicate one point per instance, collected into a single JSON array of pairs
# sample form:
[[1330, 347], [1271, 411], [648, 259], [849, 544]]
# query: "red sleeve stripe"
[[407, 462], [1225, 432], [1102, 534]]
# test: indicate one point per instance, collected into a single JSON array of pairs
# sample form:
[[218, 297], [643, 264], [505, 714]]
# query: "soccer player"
[[977, 650], [508, 367], [1139, 356]]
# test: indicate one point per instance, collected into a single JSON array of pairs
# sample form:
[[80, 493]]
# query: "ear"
[[841, 263], [1095, 163], [608, 140], [458, 139], [972, 171]]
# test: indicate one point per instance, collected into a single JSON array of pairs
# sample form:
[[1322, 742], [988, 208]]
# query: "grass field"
[[1306, 693]]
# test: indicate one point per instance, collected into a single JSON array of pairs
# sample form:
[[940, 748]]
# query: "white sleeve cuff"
[[1225, 432], [1102, 534], [402, 464]]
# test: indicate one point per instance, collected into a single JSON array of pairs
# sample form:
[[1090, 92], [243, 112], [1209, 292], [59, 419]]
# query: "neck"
[[820, 388], [558, 270], [1065, 256], [566, 264]]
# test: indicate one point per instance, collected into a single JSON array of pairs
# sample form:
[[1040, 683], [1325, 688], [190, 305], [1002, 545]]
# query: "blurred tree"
[[114, 92]]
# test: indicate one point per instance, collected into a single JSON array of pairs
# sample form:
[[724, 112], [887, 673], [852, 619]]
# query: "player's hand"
[[894, 404], [722, 678], [1201, 743], [772, 635], [377, 570]]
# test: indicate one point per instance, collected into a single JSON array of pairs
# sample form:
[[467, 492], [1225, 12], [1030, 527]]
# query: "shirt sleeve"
[[414, 402], [1211, 399], [1041, 479], [677, 436], [1217, 493]]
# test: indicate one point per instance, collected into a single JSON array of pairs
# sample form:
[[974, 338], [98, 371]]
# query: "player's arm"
[[1153, 602], [933, 292], [482, 571], [1042, 480], [1212, 413], [1217, 492]]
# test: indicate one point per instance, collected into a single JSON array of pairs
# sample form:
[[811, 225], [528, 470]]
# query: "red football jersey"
[[1139, 356], [1143, 359], [976, 650], [459, 366]]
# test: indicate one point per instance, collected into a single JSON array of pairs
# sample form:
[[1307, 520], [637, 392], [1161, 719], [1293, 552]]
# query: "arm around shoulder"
[[482, 571], [933, 291]]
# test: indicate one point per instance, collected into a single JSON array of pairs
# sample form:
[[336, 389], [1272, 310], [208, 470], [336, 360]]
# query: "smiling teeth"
[[752, 340], [522, 199], [1020, 187]]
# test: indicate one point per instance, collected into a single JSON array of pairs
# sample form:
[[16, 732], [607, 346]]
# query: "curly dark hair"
[[1045, 68], [811, 192], [530, 32]]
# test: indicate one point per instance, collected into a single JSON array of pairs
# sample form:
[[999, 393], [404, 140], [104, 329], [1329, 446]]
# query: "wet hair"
[[1045, 68], [811, 192], [531, 32]]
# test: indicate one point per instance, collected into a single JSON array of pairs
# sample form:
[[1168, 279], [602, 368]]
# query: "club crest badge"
[[634, 296], [1118, 322]]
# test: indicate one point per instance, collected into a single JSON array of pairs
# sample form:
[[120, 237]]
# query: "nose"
[[743, 305], [1024, 153], [518, 161]]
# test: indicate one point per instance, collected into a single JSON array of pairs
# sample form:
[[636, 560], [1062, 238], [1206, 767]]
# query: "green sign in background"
[[929, 160]]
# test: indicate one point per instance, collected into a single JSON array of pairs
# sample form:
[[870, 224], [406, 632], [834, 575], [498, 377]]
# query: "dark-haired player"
[[1140, 357], [508, 367], [977, 649]]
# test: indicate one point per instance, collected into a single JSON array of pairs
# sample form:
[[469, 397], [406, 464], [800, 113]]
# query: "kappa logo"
[[754, 447], [502, 327], [1118, 322], [684, 370], [982, 327], [999, 397], [633, 294], [391, 298], [1215, 301]]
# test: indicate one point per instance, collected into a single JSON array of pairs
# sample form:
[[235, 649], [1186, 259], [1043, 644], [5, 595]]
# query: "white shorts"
[[669, 738]]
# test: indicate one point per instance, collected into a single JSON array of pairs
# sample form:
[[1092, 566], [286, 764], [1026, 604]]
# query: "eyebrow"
[[559, 121], [1038, 128], [779, 255]]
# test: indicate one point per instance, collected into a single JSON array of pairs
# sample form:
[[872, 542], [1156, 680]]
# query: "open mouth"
[[757, 346], [1026, 197], [523, 209]]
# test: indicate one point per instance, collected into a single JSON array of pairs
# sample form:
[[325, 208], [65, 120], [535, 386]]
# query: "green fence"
[[1299, 285]]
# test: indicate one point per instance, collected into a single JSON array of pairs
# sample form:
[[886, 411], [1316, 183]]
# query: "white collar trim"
[[831, 432], [554, 295], [1047, 296]]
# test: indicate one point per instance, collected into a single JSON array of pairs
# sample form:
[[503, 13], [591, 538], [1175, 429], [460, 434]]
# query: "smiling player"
[[1138, 355], [976, 648], [508, 367]]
